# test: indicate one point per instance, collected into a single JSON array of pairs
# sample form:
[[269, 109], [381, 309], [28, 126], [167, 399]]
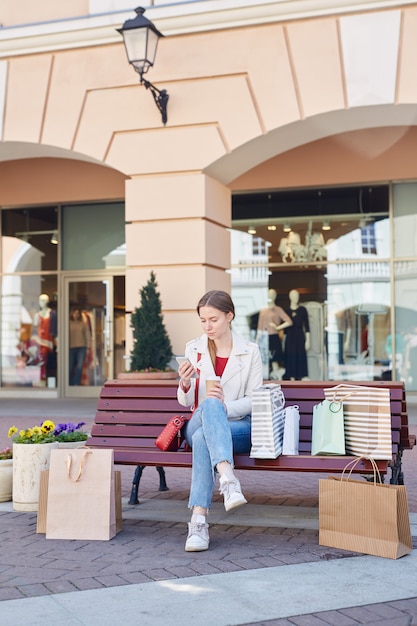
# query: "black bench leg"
[[135, 485], [397, 476], [162, 481], [136, 480]]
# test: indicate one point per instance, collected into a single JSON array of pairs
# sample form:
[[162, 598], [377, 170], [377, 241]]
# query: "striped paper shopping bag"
[[268, 418], [367, 419]]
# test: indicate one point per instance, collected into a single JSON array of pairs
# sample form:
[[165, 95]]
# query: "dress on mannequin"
[[297, 339], [271, 320]]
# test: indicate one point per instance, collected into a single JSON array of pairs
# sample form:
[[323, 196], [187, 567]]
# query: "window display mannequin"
[[44, 331], [271, 320], [79, 343], [297, 339]]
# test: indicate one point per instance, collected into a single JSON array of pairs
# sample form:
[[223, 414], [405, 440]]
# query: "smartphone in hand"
[[184, 359]]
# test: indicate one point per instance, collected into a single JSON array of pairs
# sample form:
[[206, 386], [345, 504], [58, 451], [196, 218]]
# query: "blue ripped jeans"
[[213, 438]]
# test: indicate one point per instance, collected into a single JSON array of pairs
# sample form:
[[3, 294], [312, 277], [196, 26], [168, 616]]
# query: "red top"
[[221, 362]]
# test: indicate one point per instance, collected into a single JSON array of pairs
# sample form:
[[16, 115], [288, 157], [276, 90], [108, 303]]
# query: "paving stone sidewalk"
[[148, 550], [153, 550]]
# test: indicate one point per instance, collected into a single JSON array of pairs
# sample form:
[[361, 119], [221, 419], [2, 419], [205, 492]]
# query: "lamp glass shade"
[[141, 45]]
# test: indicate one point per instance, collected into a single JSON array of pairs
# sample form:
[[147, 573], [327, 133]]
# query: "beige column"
[[177, 226]]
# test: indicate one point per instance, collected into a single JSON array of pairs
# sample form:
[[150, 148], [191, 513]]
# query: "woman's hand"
[[216, 391], [186, 371]]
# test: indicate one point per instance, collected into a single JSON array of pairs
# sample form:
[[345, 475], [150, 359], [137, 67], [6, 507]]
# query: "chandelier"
[[313, 249]]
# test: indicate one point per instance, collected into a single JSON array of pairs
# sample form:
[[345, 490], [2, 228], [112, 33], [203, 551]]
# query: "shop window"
[[402, 348], [29, 329], [405, 219], [29, 239], [333, 247], [93, 236]]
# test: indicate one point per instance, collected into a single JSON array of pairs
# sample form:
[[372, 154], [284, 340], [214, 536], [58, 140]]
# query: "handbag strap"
[[197, 385]]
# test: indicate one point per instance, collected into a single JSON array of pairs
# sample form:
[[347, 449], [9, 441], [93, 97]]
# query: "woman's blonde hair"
[[221, 301]]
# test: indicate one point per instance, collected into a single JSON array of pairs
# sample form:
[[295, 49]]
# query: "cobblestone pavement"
[[148, 550]]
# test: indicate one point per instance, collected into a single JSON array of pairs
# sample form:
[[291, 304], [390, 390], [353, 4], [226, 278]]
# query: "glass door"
[[94, 333]]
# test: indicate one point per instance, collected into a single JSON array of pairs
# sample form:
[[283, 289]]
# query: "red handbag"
[[171, 437]]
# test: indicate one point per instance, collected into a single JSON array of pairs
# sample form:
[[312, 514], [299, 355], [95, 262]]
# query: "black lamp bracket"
[[160, 96]]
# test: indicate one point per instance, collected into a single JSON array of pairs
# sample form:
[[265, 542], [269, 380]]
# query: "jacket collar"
[[240, 345], [234, 364]]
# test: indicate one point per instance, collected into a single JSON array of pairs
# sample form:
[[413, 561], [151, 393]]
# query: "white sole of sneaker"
[[234, 505], [195, 549]]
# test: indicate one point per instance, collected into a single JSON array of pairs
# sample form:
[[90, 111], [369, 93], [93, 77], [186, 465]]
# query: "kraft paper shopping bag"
[[81, 495], [43, 501], [267, 422], [367, 418], [328, 430], [362, 516]]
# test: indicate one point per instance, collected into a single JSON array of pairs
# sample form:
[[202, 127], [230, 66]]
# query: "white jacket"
[[242, 374]]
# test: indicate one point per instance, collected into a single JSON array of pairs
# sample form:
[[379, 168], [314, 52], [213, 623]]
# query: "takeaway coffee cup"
[[212, 380]]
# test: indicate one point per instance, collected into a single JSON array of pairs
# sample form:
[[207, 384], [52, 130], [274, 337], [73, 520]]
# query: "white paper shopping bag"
[[291, 430], [267, 422]]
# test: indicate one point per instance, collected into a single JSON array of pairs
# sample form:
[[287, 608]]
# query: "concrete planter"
[[6, 480], [29, 460]]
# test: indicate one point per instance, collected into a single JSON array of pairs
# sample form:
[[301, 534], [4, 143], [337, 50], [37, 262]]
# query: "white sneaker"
[[232, 493], [198, 536]]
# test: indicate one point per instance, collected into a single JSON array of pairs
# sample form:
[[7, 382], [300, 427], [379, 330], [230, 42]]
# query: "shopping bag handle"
[[354, 388], [345, 397], [344, 386], [354, 463], [80, 469]]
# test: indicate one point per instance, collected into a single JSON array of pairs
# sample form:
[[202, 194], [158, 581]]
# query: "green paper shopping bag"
[[328, 431]]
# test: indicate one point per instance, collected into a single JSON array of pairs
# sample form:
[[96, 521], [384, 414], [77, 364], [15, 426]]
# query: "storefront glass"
[[402, 345], [29, 330], [29, 240], [332, 248], [38, 244], [99, 243]]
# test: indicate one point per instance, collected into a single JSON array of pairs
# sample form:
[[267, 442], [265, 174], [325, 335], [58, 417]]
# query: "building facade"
[[284, 118]]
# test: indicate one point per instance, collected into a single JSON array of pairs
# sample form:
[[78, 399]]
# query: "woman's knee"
[[211, 403], [213, 409]]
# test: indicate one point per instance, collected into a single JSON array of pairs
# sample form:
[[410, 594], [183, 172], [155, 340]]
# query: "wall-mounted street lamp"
[[141, 38]]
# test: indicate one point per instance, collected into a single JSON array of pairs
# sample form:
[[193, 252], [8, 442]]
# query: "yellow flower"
[[22, 433], [29, 433], [12, 431], [36, 430], [47, 426]]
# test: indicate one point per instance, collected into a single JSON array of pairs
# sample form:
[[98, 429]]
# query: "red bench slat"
[[131, 415]]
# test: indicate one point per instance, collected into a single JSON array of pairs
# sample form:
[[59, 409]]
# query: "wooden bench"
[[131, 414]]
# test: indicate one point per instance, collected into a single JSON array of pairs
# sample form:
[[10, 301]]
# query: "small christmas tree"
[[152, 348]]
